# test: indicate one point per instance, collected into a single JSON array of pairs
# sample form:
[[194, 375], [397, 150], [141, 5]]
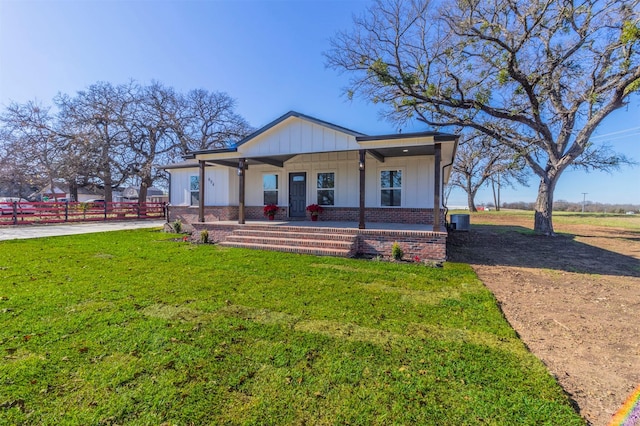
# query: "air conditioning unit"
[[460, 222]]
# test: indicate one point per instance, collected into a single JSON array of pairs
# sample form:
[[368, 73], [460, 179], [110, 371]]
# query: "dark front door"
[[297, 194]]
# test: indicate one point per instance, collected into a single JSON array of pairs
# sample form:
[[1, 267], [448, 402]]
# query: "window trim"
[[197, 191], [335, 179], [401, 188], [278, 186]]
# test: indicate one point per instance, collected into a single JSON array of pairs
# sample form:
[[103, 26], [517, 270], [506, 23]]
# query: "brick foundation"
[[189, 215], [381, 215], [430, 246], [426, 245]]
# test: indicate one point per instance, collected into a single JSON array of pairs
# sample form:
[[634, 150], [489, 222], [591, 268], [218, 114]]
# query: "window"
[[270, 189], [326, 188], [194, 190], [391, 187]]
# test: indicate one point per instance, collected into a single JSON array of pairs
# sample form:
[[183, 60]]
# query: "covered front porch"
[[373, 190], [298, 192]]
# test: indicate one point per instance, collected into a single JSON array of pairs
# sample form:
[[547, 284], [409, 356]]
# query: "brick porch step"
[[319, 244], [294, 233]]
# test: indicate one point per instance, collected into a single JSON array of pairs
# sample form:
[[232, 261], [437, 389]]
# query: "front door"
[[297, 194]]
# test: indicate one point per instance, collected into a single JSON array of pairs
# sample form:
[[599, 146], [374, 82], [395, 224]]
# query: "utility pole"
[[584, 200], [498, 205]]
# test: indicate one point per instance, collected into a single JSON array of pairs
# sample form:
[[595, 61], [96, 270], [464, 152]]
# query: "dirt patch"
[[573, 299]]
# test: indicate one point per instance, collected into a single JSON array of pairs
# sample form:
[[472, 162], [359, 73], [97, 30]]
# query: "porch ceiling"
[[404, 151], [275, 160], [378, 153]]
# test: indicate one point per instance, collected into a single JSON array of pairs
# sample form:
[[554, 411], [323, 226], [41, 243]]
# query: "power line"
[[619, 131], [620, 137]]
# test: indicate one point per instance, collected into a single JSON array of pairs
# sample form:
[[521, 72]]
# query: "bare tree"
[[107, 135], [207, 120], [537, 76], [32, 146], [19, 172], [97, 117], [152, 138], [479, 160], [165, 124]]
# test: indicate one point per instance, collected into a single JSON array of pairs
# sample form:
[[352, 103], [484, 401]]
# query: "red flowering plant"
[[270, 210], [314, 209]]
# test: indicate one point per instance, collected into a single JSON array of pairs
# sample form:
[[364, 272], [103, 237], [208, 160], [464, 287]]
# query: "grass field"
[[624, 221], [132, 328]]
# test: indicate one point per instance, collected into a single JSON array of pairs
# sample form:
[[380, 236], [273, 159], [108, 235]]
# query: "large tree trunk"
[[471, 195], [543, 223], [73, 190], [145, 184], [108, 182]]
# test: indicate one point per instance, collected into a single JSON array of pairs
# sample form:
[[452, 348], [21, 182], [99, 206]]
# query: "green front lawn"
[[132, 328]]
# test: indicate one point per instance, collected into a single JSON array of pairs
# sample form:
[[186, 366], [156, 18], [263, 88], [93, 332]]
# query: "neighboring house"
[[47, 193], [298, 160], [61, 192], [154, 195]]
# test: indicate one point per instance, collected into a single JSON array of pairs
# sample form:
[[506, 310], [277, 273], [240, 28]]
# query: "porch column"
[[361, 166], [201, 192], [436, 187], [241, 172]]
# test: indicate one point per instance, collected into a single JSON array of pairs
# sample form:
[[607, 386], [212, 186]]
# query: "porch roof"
[[379, 147], [275, 123]]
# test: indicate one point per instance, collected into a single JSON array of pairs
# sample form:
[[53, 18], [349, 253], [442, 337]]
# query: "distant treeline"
[[567, 206]]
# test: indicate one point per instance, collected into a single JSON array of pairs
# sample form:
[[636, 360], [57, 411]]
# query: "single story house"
[[63, 192], [379, 188], [131, 194]]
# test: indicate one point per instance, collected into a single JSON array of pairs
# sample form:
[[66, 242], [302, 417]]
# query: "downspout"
[[169, 203], [453, 156]]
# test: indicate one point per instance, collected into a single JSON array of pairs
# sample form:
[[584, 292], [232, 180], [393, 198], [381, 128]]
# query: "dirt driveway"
[[574, 300]]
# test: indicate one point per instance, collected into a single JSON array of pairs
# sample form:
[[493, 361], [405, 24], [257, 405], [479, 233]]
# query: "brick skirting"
[[431, 246], [381, 215], [189, 215], [426, 245]]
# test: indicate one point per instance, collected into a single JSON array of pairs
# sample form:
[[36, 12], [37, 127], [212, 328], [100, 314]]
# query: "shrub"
[[396, 251], [204, 236], [177, 226]]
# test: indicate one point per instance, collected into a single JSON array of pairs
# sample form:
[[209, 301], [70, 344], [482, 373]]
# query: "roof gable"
[[295, 133], [301, 116]]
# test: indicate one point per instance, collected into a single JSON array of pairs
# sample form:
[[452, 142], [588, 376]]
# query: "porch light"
[[361, 165], [405, 150]]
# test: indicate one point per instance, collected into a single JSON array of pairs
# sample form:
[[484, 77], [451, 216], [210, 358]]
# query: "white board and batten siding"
[[296, 136], [417, 181], [218, 190], [221, 183]]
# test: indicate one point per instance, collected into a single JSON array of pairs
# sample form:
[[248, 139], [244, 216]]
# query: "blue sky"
[[265, 54]]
